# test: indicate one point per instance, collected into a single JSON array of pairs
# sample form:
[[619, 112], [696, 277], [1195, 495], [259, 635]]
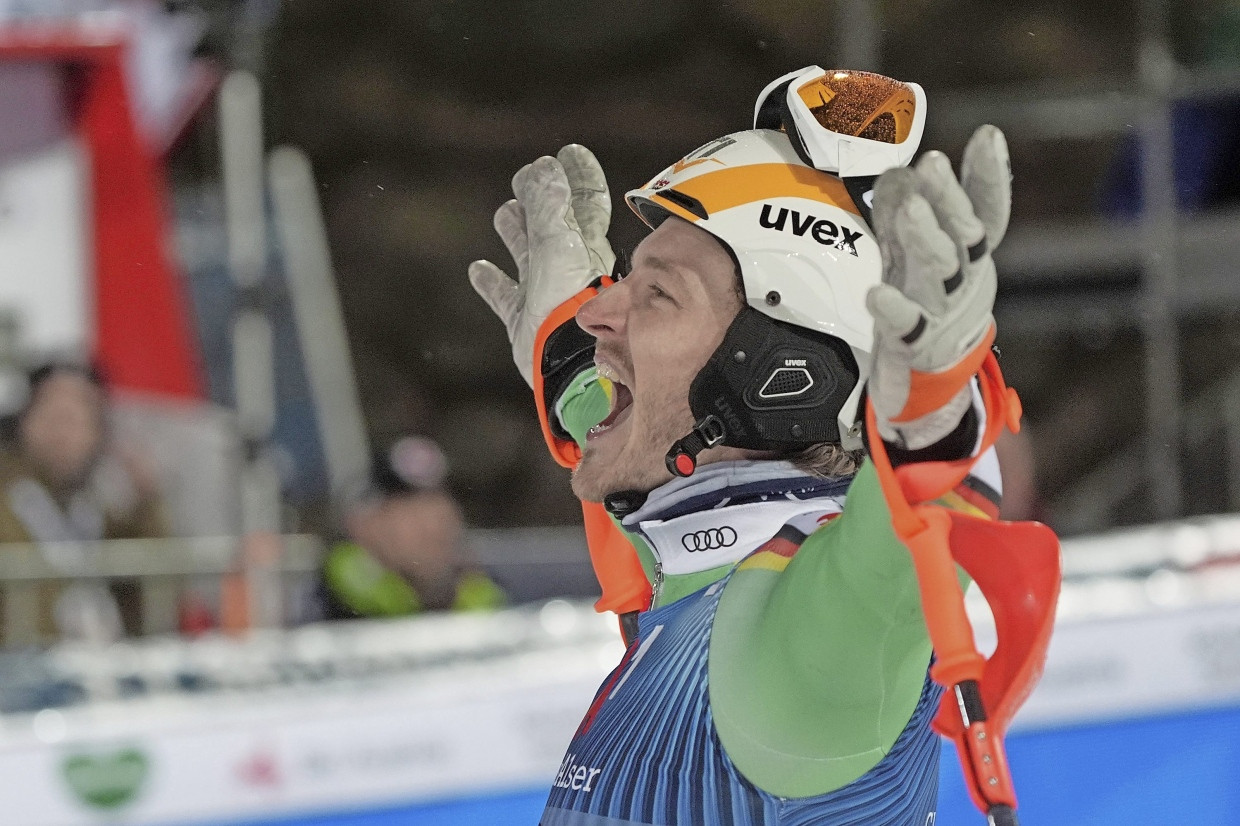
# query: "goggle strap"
[[776, 112], [773, 113], [794, 134], [857, 187]]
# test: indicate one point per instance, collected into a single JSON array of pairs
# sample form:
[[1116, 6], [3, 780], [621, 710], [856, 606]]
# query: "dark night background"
[[416, 114]]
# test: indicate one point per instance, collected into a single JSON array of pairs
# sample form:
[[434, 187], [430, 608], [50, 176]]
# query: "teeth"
[[606, 371]]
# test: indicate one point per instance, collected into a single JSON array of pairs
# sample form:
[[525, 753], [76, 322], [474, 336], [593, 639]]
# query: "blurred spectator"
[[405, 551], [64, 486]]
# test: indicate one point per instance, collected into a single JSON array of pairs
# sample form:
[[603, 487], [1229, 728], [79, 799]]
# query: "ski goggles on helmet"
[[851, 124]]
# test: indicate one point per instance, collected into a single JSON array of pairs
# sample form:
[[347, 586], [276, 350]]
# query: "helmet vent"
[[686, 202], [786, 381]]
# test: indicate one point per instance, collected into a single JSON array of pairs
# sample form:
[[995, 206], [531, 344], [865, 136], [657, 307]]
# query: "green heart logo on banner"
[[106, 781]]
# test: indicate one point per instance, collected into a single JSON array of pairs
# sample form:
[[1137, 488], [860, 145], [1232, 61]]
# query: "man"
[[780, 675], [405, 553]]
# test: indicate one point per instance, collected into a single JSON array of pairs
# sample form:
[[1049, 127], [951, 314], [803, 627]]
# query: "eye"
[[658, 292]]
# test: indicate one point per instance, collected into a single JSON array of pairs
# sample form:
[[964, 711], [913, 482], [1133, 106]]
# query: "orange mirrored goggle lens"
[[861, 104]]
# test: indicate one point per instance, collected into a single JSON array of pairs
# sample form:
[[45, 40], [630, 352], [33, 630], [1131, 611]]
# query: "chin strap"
[[1016, 565], [681, 458]]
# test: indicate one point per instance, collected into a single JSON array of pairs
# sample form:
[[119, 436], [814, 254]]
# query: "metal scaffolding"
[[1186, 263]]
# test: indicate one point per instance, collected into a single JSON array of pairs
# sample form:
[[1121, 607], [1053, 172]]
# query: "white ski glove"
[[556, 231], [932, 313]]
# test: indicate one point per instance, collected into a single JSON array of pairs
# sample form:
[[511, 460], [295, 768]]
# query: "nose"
[[604, 314]]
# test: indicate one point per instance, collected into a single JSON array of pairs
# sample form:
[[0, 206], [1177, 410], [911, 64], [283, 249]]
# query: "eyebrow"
[[661, 264]]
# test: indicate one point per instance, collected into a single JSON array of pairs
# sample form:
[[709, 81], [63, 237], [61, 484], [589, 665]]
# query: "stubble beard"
[[637, 466]]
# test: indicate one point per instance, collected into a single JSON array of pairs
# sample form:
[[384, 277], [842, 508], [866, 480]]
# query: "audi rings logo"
[[709, 540]]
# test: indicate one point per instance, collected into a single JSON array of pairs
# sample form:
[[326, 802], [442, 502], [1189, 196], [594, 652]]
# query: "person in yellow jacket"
[[405, 551]]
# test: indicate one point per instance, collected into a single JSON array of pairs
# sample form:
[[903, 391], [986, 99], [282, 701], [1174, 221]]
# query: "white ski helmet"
[[789, 199]]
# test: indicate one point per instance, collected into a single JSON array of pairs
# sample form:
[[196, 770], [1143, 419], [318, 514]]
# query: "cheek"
[[663, 377], [668, 363]]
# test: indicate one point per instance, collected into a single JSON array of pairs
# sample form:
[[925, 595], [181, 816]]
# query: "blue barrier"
[[1155, 771]]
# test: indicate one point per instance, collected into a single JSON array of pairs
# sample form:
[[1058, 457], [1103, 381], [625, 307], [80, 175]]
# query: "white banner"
[[492, 711], [183, 762], [1159, 661]]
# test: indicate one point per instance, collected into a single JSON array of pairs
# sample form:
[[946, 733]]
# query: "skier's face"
[[654, 331]]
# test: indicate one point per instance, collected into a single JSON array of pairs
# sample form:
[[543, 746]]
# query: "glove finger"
[[951, 206], [895, 313], [518, 180], [986, 175], [930, 255], [510, 224], [559, 260], [543, 191], [500, 292], [890, 192], [590, 196], [591, 202]]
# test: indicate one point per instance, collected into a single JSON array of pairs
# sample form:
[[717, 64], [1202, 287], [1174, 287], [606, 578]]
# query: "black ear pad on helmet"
[[773, 385]]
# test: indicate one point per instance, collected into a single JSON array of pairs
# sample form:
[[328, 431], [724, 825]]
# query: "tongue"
[[621, 399]]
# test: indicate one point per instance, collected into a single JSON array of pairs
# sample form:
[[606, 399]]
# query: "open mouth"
[[621, 403]]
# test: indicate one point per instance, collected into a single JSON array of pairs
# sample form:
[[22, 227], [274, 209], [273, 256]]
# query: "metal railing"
[[1185, 262], [263, 571]]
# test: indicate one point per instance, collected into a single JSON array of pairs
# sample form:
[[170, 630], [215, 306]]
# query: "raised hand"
[[556, 232], [933, 319]]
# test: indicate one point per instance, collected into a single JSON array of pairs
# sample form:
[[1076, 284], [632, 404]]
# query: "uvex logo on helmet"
[[820, 229], [709, 540]]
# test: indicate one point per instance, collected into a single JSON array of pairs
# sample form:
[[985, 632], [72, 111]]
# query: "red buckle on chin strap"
[[683, 464], [1016, 566]]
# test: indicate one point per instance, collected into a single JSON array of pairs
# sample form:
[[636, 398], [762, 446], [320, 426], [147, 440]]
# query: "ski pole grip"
[[1002, 815], [942, 600]]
